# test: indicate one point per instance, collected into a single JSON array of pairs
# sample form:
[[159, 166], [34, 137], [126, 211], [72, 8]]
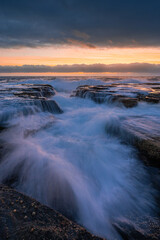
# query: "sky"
[[79, 36]]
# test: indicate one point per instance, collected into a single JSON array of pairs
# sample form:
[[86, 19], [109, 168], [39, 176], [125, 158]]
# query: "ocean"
[[79, 160]]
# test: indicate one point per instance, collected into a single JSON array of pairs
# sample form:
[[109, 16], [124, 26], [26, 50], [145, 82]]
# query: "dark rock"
[[151, 98], [148, 229], [150, 148], [36, 100], [47, 105], [129, 102], [142, 133], [3, 127], [101, 94], [35, 91], [22, 217], [126, 94], [28, 108]]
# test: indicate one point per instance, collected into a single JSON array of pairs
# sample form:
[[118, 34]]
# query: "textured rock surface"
[[46, 105], [127, 94], [141, 132], [35, 91], [148, 229], [22, 217], [28, 99]]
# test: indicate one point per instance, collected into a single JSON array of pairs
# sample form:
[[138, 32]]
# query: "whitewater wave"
[[70, 163]]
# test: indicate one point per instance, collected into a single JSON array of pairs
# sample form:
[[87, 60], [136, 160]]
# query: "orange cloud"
[[81, 35], [80, 43]]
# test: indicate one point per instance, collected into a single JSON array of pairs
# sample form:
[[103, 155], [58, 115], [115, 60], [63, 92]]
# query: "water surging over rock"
[[33, 99], [143, 132], [127, 95], [78, 168], [35, 91]]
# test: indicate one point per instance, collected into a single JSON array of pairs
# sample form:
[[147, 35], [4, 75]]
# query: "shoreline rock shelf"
[[28, 99], [126, 95], [142, 133], [35, 91], [22, 217]]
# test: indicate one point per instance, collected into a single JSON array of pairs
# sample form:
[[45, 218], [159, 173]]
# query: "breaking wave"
[[72, 163]]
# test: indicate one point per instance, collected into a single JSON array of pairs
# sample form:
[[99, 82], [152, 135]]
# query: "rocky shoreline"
[[120, 94], [22, 217], [147, 144]]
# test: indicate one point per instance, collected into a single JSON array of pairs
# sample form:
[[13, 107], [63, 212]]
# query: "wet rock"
[[141, 132], [101, 94], [127, 102], [3, 127], [34, 98], [151, 97], [143, 229], [151, 150], [126, 94], [36, 222], [35, 91], [47, 105], [29, 107]]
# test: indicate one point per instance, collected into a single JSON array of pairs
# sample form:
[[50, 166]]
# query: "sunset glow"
[[79, 119], [68, 33], [56, 55]]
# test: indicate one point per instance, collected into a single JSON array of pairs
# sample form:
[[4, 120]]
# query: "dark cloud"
[[89, 22], [122, 68]]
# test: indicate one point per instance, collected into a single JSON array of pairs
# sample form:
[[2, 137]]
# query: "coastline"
[[25, 218]]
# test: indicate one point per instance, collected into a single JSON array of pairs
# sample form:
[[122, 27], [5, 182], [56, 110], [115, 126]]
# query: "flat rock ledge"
[[28, 99], [34, 91], [122, 95], [22, 217], [147, 143]]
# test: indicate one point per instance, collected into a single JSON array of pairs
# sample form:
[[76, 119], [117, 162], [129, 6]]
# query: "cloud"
[[80, 43], [95, 23], [94, 68], [81, 35]]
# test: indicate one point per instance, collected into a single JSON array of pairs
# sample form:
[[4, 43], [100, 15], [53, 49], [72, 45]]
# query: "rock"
[[29, 107], [46, 105], [143, 229], [141, 132], [126, 94], [35, 91], [101, 94], [36, 221], [150, 98], [128, 102], [3, 127], [34, 98], [150, 148]]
